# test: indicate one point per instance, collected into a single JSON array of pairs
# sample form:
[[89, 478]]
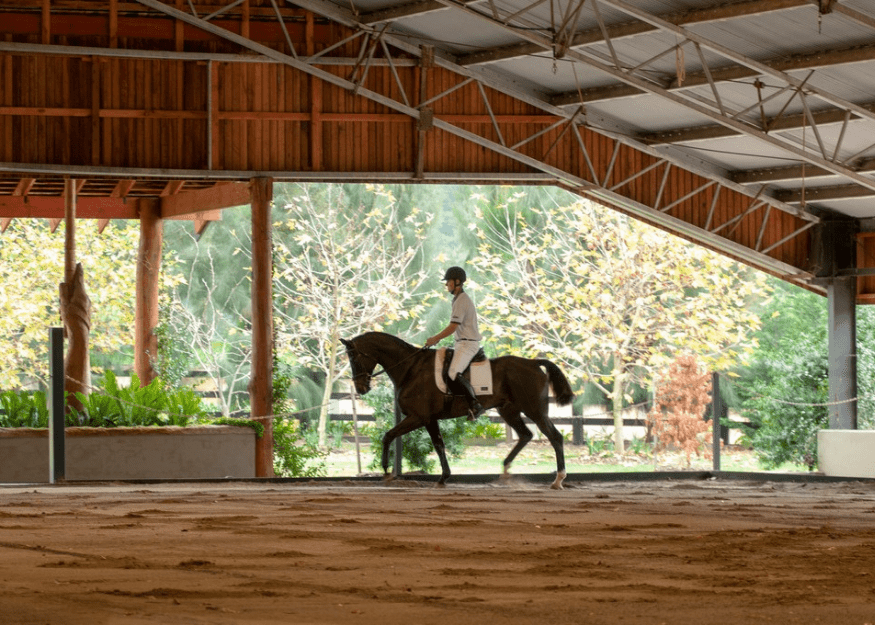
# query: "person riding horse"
[[463, 325]]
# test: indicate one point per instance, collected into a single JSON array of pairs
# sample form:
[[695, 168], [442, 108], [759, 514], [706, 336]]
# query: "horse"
[[520, 386]]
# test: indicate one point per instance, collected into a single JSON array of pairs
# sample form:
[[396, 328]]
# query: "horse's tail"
[[561, 386]]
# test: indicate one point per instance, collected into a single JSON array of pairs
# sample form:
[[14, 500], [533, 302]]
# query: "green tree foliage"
[[32, 267], [343, 263], [206, 307], [785, 389], [609, 298]]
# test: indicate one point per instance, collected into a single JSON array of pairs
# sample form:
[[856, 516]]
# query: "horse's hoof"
[[557, 483], [388, 478], [440, 485]]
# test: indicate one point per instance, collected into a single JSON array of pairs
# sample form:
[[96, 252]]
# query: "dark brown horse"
[[519, 386]]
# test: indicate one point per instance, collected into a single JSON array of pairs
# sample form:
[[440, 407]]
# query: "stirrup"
[[475, 411]]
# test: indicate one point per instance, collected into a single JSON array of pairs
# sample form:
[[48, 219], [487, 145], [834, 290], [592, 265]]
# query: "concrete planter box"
[[846, 453], [131, 453]]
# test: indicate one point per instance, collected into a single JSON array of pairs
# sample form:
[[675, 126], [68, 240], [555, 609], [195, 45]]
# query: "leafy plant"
[[24, 409], [240, 423], [295, 455]]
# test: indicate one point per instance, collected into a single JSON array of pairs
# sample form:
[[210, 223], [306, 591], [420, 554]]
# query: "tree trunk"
[[617, 407], [326, 396]]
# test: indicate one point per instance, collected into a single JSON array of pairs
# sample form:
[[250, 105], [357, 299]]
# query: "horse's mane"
[[391, 337]]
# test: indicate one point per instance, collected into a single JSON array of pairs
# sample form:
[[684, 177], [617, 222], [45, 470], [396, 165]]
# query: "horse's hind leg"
[[512, 417], [437, 441], [555, 437]]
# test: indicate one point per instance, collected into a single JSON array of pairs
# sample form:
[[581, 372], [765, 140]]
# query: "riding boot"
[[474, 407]]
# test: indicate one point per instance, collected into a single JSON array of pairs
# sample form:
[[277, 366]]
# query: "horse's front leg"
[[407, 425], [437, 441]]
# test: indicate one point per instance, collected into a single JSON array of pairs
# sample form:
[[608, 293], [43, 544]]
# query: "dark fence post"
[[57, 460], [399, 442], [577, 430], [716, 411]]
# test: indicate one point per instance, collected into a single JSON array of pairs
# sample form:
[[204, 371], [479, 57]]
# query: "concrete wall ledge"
[[846, 453], [97, 454]]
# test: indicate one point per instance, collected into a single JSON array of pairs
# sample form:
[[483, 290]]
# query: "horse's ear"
[[346, 343]]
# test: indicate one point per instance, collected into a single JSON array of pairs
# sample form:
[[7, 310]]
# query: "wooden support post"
[[69, 229], [261, 383], [148, 270]]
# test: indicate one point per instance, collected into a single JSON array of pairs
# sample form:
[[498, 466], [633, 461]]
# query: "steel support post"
[[841, 300]]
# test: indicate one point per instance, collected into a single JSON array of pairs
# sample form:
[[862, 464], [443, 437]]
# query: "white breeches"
[[464, 352]]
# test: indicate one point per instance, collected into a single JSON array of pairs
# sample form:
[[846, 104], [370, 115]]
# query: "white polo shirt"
[[466, 316]]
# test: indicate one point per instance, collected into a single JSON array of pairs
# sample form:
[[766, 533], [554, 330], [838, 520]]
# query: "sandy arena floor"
[[673, 552]]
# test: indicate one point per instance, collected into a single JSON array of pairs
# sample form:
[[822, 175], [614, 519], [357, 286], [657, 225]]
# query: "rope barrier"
[[295, 413]]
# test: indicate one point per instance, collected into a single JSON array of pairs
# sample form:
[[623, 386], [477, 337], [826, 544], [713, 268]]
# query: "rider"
[[463, 324]]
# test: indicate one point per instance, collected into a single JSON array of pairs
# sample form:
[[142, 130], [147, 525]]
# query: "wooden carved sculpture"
[[76, 315]]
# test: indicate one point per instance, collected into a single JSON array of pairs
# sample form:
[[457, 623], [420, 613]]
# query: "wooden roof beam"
[[223, 195], [822, 58], [792, 172], [52, 207], [717, 131], [819, 194], [630, 29]]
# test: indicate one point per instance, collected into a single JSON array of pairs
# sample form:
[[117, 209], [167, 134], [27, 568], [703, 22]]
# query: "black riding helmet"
[[455, 273]]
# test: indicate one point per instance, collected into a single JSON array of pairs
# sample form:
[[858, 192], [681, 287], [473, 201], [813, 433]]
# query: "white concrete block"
[[846, 453]]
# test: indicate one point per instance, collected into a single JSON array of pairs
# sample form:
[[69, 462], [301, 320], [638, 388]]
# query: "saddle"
[[480, 356], [479, 372]]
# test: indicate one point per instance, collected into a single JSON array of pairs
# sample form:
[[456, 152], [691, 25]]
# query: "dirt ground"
[[665, 551]]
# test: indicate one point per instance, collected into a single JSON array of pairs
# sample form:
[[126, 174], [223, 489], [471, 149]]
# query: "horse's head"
[[362, 367]]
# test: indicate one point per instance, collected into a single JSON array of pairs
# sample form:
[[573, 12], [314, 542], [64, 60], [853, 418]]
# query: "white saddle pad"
[[481, 374]]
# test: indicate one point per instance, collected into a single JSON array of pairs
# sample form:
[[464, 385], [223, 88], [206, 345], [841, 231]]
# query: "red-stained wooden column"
[[261, 383], [148, 272]]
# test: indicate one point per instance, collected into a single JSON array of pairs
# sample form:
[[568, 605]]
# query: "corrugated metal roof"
[[830, 54]]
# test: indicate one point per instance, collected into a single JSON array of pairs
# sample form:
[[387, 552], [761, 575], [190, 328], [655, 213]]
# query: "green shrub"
[[293, 454]]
